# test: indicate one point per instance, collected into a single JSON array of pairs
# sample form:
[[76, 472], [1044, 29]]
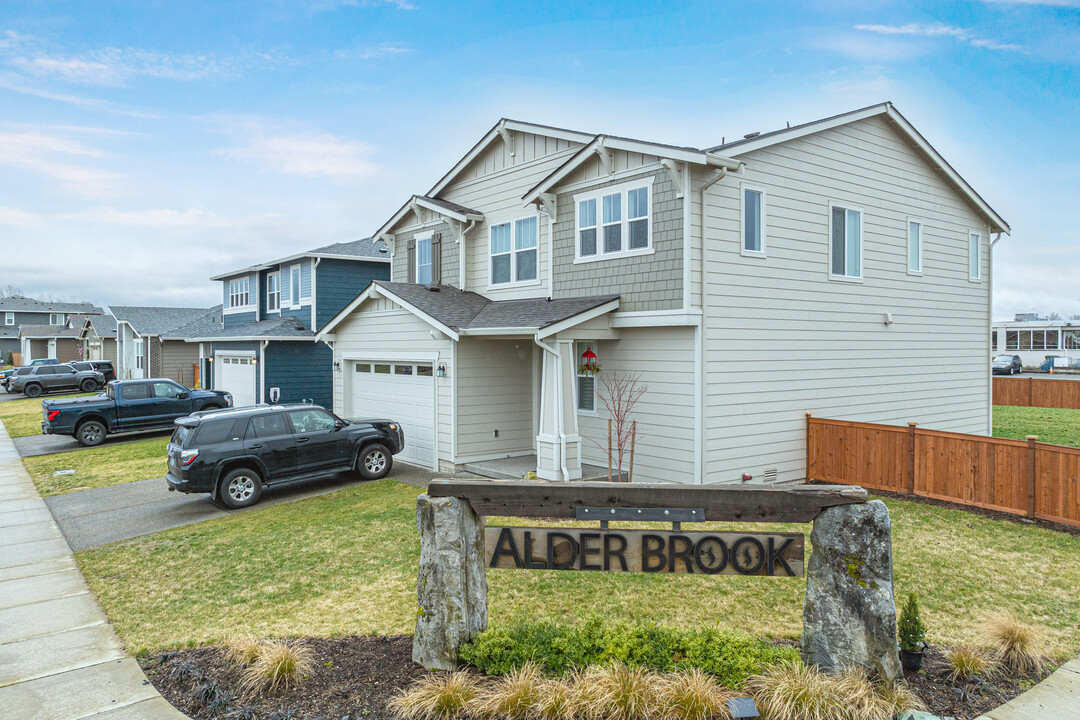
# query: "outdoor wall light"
[[440, 371], [337, 364]]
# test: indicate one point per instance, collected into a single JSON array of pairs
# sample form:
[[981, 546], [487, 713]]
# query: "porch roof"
[[277, 328]]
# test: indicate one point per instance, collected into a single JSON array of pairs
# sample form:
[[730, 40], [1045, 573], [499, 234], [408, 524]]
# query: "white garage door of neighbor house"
[[403, 392], [235, 374]]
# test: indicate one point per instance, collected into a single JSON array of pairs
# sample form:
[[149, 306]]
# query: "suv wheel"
[[240, 488], [91, 433], [32, 391], [374, 461], [88, 386]]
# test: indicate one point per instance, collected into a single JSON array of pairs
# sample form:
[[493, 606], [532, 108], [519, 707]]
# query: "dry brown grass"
[[557, 700], [800, 692], [1016, 645], [278, 663], [442, 696], [967, 661], [617, 692], [242, 650], [693, 695], [515, 696]]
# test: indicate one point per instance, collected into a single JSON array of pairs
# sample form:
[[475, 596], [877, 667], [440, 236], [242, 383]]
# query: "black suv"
[[105, 367], [232, 453]]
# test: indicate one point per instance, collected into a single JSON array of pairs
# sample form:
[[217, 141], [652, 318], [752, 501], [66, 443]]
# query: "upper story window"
[[294, 285], [9, 318], [56, 318], [514, 251], [423, 260], [753, 222], [974, 256], [239, 293], [845, 233], [273, 292], [914, 247], [614, 221]]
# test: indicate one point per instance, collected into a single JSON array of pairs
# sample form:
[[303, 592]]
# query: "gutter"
[[262, 370], [558, 408]]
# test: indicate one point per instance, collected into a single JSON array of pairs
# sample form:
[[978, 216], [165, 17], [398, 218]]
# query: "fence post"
[[911, 458], [809, 455], [1031, 384], [1031, 475]]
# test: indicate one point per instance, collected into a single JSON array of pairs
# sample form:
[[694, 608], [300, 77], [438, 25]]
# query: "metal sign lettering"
[[650, 551]]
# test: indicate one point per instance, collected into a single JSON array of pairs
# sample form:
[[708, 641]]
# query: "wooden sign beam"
[[741, 503]]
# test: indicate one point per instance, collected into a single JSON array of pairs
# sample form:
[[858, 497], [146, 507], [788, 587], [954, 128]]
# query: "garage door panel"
[[235, 374], [385, 390]]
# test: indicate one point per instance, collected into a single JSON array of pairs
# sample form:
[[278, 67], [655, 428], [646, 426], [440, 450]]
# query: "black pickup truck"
[[127, 406]]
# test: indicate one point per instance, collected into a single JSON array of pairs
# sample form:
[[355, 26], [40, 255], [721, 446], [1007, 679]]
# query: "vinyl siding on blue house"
[[233, 319], [337, 282], [302, 370]]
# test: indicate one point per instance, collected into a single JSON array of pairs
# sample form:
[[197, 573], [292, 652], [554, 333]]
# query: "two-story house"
[[151, 342], [841, 267], [265, 349], [17, 311]]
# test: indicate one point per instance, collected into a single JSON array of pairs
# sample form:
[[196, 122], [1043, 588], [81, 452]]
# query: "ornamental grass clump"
[[442, 696], [617, 692], [793, 691], [692, 695], [278, 664], [969, 661], [242, 650], [557, 700], [515, 696], [1016, 645]]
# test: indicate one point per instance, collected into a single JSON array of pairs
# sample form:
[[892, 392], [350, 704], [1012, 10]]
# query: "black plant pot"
[[912, 661]]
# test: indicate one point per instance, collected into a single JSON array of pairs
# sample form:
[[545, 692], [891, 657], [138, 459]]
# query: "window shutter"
[[411, 255], [436, 259]]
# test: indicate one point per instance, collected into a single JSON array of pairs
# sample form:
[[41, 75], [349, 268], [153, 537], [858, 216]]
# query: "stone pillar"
[[849, 616], [451, 586]]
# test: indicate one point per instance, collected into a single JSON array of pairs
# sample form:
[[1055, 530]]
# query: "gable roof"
[[442, 207], [207, 323], [49, 331], [104, 325], [159, 321], [21, 303], [368, 249], [461, 312], [277, 328], [887, 110]]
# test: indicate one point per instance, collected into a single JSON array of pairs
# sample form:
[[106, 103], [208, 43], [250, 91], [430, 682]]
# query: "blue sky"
[[145, 146]]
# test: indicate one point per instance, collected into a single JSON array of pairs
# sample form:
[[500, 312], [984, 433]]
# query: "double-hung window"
[[56, 319], [423, 260], [9, 318], [294, 286], [273, 292], [139, 354], [974, 256], [753, 222], [238, 293], [914, 247], [514, 251], [845, 250], [614, 221]]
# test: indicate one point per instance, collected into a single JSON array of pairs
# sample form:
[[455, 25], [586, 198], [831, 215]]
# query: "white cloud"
[[371, 53], [937, 30], [164, 219], [308, 153], [52, 156]]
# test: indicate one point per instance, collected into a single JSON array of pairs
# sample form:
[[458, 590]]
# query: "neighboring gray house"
[[151, 341], [841, 267], [50, 341], [17, 310], [98, 336]]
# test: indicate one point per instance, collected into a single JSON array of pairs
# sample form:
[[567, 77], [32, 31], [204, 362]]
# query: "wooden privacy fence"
[[1037, 392], [1030, 478]]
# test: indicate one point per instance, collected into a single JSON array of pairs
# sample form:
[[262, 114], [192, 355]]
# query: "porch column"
[[558, 445]]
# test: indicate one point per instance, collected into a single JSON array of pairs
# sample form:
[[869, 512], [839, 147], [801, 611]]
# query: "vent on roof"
[[433, 288], [747, 136]]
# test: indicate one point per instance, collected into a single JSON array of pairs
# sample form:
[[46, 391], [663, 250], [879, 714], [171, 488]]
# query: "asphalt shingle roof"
[[104, 325], [158, 321], [282, 327], [452, 206], [50, 331], [366, 247], [20, 303], [460, 310], [210, 322]]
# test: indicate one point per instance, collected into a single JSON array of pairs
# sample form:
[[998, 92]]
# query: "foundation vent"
[[769, 475]]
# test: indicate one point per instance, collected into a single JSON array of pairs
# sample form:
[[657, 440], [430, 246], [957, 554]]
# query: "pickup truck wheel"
[[88, 386], [32, 391], [374, 461], [90, 434], [240, 488]]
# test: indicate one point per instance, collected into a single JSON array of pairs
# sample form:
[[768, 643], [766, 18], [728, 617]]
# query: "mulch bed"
[[356, 677]]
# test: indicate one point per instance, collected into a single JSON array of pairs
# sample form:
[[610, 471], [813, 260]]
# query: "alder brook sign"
[[848, 611]]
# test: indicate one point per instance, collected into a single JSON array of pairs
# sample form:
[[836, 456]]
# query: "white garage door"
[[235, 374], [400, 391]]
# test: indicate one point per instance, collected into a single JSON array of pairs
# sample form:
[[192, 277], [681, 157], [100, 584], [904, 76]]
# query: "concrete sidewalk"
[[1055, 698], [59, 657]]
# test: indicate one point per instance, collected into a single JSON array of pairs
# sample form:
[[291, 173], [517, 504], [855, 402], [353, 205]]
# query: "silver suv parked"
[[56, 378]]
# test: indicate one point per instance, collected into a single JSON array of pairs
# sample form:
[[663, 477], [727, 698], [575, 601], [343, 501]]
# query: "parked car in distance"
[[55, 378], [126, 406], [233, 454], [1007, 365], [6, 375], [105, 367]]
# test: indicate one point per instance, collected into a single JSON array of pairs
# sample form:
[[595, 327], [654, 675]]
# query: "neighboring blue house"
[[271, 314]]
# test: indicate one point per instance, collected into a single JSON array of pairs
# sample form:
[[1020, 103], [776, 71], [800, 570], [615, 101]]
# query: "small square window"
[[382, 369], [424, 371], [363, 367], [403, 370]]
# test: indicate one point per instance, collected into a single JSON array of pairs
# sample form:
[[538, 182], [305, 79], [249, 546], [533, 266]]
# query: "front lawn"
[[110, 464], [1061, 427], [23, 417], [345, 563]]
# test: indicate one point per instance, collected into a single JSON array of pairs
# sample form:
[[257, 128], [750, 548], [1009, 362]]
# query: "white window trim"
[[430, 237], [922, 245], [577, 400], [742, 221], [139, 357], [230, 308], [299, 287], [56, 315], [598, 194], [9, 318], [978, 263], [513, 252], [276, 275], [862, 248]]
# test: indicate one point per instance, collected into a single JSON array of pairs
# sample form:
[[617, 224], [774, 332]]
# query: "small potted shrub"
[[912, 635]]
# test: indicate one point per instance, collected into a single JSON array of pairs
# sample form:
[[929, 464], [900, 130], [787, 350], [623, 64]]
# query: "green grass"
[[23, 417], [1061, 427], [346, 563], [99, 467]]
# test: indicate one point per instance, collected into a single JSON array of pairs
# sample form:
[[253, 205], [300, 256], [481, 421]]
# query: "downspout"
[[990, 327], [558, 407], [699, 418], [461, 255], [314, 295], [262, 370]]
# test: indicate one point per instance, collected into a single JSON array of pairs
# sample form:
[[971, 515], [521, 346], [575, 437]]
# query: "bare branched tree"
[[619, 393], [1053, 316]]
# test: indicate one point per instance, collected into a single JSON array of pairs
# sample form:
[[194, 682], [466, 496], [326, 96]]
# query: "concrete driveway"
[[95, 517], [35, 445]]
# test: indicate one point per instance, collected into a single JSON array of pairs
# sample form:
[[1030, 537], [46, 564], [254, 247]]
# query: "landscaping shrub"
[[693, 695], [515, 694], [793, 691], [243, 650], [1017, 645], [437, 697], [729, 655], [911, 629], [278, 663], [967, 661], [618, 692]]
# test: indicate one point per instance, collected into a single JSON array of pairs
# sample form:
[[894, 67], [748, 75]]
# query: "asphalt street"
[[95, 517], [35, 445]]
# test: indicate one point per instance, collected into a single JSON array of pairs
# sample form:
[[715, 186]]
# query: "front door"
[[269, 439], [320, 445]]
